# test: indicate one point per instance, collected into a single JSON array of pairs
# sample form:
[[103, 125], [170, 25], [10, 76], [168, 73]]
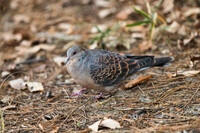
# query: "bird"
[[102, 70]]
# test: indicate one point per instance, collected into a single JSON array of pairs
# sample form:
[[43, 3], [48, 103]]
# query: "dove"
[[102, 70]]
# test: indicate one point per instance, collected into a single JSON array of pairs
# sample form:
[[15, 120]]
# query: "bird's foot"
[[99, 96], [78, 94]]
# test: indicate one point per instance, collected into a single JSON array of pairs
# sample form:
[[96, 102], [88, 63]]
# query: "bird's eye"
[[74, 53]]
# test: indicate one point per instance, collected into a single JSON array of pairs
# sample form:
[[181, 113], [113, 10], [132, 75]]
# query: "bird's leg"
[[78, 94], [99, 96]]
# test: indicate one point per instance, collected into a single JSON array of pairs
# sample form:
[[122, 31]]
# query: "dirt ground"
[[34, 38]]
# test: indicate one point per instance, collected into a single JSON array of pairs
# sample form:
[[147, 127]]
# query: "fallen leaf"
[[124, 13], [30, 51], [138, 35], [40, 68], [168, 5], [21, 18], [188, 73], [136, 81], [105, 12], [103, 3], [34, 86], [59, 60], [67, 28], [109, 123], [191, 11], [183, 73], [17, 84], [173, 27], [187, 42], [5, 73], [102, 27], [145, 45], [94, 127]]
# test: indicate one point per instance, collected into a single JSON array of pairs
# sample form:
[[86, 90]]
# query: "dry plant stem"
[[52, 98], [190, 98], [168, 93], [73, 110], [2, 122]]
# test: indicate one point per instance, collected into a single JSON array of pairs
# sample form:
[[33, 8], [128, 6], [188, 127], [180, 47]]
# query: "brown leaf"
[[136, 81], [123, 14], [191, 11], [145, 45], [168, 5]]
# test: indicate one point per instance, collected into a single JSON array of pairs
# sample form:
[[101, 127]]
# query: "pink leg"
[[99, 96], [78, 94]]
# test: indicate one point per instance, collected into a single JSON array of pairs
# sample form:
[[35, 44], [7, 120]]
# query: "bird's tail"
[[162, 61], [150, 61]]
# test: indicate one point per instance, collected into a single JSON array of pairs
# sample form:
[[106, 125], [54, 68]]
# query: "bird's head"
[[74, 53]]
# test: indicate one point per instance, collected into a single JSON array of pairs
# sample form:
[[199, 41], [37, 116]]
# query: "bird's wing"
[[107, 68]]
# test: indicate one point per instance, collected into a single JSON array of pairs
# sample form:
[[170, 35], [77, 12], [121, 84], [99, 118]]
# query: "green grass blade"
[[138, 23], [98, 29], [142, 12]]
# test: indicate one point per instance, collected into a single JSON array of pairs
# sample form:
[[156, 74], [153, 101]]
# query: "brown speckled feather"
[[109, 68], [102, 70]]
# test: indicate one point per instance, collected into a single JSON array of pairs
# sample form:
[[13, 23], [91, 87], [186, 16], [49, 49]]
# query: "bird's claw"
[[78, 94]]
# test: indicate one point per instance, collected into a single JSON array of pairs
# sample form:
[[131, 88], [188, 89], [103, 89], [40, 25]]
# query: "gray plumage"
[[101, 70]]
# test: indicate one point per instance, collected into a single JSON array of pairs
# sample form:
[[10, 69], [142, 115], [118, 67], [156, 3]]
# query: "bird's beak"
[[67, 60]]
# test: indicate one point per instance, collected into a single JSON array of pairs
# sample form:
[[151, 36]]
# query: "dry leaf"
[[102, 27], [123, 14], [40, 68], [187, 42], [191, 11], [68, 28], [145, 45], [103, 3], [173, 27], [105, 12], [59, 60], [17, 84], [5, 73], [94, 127], [29, 51], [109, 123], [188, 73], [34, 86], [183, 73], [21, 18], [136, 81], [168, 5]]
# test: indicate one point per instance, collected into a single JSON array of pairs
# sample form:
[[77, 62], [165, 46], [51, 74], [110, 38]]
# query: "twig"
[[190, 99], [69, 114], [2, 122]]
